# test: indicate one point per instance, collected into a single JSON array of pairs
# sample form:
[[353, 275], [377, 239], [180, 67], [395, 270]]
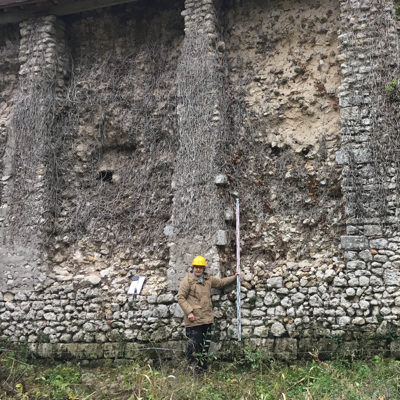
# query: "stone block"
[[221, 238], [45, 350], [358, 156], [353, 242], [275, 282], [229, 215], [90, 280], [221, 180], [298, 298], [261, 331], [285, 349], [277, 329], [395, 349], [271, 299], [378, 243], [162, 333], [365, 255], [391, 277], [165, 298], [372, 230], [344, 321], [329, 275], [356, 265], [114, 350], [315, 301], [168, 230]]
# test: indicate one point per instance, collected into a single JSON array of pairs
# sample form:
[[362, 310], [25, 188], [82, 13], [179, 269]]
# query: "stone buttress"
[[27, 178], [197, 226], [370, 61]]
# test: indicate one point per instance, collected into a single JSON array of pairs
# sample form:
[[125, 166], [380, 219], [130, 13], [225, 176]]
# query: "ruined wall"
[[119, 130], [285, 106], [284, 75]]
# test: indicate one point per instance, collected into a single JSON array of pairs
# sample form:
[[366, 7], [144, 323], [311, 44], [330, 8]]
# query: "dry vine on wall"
[[31, 141], [385, 139], [121, 128], [375, 185], [106, 147], [202, 137]]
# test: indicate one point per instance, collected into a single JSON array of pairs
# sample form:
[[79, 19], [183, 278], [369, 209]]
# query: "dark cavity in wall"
[[105, 176]]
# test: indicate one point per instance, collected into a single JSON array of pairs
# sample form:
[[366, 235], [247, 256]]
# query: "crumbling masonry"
[[129, 163]]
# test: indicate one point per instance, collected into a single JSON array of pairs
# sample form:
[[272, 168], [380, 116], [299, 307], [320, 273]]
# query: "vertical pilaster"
[[27, 171], [370, 62], [197, 223]]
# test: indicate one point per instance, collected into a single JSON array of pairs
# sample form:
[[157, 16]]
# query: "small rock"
[[221, 180], [277, 329], [8, 297], [91, 280], [275, 282]]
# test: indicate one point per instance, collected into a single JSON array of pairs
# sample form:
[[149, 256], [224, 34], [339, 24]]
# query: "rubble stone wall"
[[318, 277]]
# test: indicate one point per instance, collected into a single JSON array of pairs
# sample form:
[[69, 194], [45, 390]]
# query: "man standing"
[[194, 297]]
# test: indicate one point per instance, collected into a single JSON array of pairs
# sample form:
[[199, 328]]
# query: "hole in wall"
[[105, 176], [276, 151]]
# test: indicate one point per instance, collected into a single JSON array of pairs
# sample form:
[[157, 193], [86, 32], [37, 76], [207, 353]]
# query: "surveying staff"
[[194, 297]]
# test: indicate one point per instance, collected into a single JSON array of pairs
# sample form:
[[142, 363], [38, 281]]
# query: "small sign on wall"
[[136, 285]]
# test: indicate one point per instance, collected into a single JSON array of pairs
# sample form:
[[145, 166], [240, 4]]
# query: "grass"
[[247, 377]]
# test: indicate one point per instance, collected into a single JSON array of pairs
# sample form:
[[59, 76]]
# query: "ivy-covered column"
[[29, 167], [197, 226]]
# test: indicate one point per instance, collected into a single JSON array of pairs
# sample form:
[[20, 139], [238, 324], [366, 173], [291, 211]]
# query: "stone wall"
[[275, 125], [283, 79]]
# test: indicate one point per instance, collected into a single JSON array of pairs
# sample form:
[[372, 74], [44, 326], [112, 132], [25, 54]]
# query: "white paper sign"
[[136, 285]]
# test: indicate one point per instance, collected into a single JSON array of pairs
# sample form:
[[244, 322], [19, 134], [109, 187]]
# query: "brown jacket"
[[195, 297]]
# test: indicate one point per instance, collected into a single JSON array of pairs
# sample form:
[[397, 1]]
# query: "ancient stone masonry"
[[369, 63], [197, 223], [9, 66], [27, 161], [160, 121], [369, 129], [283, 79]]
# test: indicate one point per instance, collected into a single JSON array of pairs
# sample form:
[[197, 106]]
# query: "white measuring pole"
[[239, 320]]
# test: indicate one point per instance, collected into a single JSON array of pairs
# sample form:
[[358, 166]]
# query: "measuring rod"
[[239, 321]]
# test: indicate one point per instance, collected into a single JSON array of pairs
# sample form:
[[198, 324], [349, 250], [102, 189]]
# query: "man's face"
[[198, 270]]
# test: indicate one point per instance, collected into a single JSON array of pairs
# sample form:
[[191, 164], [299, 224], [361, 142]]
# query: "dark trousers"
[[198, 345]]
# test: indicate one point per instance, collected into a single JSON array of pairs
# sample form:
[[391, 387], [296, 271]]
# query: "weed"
[[397, 9], [390, 87], [253, 300], [248, 375]]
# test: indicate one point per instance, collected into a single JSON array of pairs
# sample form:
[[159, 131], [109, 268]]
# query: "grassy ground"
[[248, 377]]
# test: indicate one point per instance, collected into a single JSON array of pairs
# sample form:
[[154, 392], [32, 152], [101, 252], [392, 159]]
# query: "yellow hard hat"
[[199, 261]]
